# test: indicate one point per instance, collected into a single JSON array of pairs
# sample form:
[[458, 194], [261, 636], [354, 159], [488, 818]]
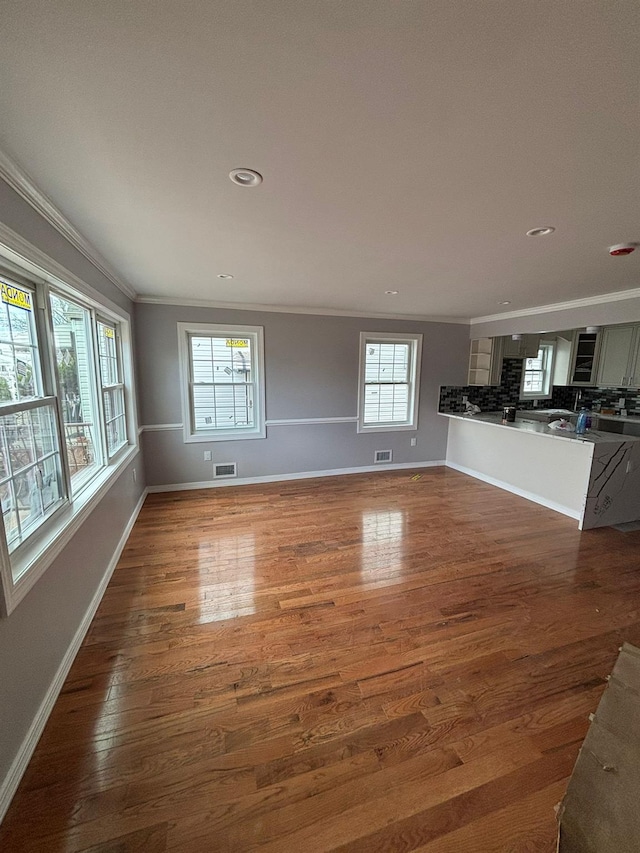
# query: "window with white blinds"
[[223, 384], [389, 381]]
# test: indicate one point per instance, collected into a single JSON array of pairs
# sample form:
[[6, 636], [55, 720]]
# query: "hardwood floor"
[[384, 662]]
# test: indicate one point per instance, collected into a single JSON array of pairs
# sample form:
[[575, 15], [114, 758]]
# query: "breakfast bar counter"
[[594, 478]]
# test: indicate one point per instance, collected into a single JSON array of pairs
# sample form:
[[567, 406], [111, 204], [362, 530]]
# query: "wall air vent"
[[383, 456], [225, 469]]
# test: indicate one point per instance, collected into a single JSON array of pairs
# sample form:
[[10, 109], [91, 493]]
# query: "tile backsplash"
[[494, 397]]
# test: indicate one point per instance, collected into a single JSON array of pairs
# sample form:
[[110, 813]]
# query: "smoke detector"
[[622, 249]]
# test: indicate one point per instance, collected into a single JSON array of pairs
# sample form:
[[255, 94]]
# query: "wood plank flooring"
[[384, 662]]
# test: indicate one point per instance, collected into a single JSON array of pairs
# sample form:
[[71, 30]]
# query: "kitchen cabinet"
[[526, 347], [619, 363], [485, 361], [584, 358]]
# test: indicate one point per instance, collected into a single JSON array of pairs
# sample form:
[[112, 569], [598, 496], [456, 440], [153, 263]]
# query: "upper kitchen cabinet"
[[619, 362], [584, 358], [526, 347], [485, 361]]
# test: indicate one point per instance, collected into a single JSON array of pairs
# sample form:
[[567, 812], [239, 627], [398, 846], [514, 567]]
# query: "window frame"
[[547, 372], [101, 319], [27, 563], [415, 348], [226, 330]]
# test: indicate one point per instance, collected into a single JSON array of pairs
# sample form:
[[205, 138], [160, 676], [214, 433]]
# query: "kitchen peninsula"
[[594, 478]]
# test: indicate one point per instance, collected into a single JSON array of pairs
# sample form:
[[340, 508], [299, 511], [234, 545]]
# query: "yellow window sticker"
[[15, 296], [109, 333], [237, 342]]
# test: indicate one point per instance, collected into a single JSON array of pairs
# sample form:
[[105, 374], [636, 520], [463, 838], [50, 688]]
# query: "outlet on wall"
[[414, 441], [134, 474], [207, 456]]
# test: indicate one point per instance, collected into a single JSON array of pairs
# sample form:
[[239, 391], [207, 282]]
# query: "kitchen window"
[[537, 373], [61, 440], [222, 373], [389, 382]]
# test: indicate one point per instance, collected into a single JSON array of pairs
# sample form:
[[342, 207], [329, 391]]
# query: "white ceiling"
[[405, 145]]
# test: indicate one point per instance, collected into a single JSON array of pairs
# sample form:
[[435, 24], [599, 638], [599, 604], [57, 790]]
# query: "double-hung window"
[[112, 385], [536, 373], [65, 419], [31, 481], [222, 373], [389, 381]]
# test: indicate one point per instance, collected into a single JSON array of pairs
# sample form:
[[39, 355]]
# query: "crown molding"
[[21, 256], [24, 185], [616, 296], [294, 309]]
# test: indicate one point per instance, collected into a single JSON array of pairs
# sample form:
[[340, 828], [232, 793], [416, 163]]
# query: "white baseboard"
[[572, 513], [22, 759], [303, 475]]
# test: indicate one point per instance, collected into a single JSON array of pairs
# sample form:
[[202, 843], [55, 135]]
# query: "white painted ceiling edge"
[[18, 179], [405, 146]]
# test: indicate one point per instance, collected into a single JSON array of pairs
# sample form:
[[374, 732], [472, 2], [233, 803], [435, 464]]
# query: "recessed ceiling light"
[[391, 292], [542, 231], [245, 177], [224, 275], [506, 302]]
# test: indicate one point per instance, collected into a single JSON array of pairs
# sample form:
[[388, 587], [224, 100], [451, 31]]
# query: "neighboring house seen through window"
[[222, 382], [389, 381], [60, 434], [537, 372]]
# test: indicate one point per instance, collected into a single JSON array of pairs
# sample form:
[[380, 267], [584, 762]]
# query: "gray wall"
[[36, 636], [311, 364]]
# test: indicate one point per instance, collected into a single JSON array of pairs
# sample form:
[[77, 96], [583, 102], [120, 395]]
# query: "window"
[[74, 362], [113, 391], [389, 381], [536, 373], [222, 382], [63, 419]]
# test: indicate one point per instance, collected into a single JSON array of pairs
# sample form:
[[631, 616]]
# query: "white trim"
[[269, 423], [41, 267], [296, 421], [295, 309], [572, 513], [303, 475], [617, 296], [38, 556], [20, 762], [24, 185], [159, 427]]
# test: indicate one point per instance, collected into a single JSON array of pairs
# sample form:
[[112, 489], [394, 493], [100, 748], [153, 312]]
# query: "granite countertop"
[[536, 427], [634, 419]]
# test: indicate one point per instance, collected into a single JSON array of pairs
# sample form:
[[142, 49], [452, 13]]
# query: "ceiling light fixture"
[[516, 337], [506, 302], [541, 231], [224, 275], [245, 177], [391, 292]]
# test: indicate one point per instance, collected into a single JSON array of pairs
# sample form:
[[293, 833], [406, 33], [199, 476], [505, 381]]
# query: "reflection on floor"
[[362, 663]]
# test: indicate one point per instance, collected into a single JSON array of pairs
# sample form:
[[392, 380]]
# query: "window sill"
[[35, 559], [192, 438], [387, 428]]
